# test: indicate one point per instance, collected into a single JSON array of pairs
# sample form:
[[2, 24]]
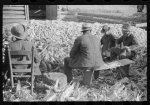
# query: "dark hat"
[[19, 31], [105, 28], [86, 27]]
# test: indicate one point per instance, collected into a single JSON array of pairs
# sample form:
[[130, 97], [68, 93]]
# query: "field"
[[115, 14]]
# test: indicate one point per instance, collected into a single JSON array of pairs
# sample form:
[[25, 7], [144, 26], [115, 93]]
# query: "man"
[[20, 43], [108, 41], [128, 44], [85, 53], [140, 8]]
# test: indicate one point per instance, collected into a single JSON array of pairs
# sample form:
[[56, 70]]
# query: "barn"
[[19, 13]]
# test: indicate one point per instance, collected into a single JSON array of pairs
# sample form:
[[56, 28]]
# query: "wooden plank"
[[4, 23], [27, 12], [13, 20], [20, 52], [21, 70], [21, 62], [13, 12], [115, 64], [13, 16], [22, 76], [13, 5], [14, 8]]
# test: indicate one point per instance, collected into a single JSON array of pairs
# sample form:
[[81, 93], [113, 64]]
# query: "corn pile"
[[57, 37], [123, 90]]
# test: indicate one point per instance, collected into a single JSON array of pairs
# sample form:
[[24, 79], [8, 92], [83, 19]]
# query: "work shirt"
[[128, 40]]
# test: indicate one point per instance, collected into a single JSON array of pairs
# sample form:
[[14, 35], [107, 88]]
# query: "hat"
[[86, 27], [126, 26], [19, 31], [105, 28]]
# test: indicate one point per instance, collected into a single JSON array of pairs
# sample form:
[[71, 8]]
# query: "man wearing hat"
[[108, 41], [128, 44], [20, 43], [19, 32], [85, 53], [128, 41]]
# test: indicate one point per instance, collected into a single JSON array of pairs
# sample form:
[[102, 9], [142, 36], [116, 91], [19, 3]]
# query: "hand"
[[127, 48]]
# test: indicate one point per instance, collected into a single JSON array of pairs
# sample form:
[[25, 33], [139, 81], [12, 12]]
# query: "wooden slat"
[[115, 64], [13, 20], [20, 52], [4, 23], [27, 12], [13, 8], [13, 16], [13, 5], [21, 70], [13, 12], [21, 62], [22, 76]]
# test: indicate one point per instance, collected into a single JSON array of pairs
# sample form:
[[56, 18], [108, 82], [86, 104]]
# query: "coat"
[[25, 45], [130, 41], [86, 52], [108, 41]]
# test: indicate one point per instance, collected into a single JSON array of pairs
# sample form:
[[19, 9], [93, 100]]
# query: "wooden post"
[[51, 12], [32, 71], [10, 65], [27, 12]]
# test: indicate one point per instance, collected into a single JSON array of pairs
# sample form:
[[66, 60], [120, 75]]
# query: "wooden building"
[[19, 13], [15, 13]]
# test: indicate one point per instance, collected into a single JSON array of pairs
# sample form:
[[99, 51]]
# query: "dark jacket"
[[108, 41], [25, 45], [86, 52], [129, 41]]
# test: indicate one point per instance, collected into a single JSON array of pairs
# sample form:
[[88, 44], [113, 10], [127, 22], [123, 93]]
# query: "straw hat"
[[19, 31], [86, 27]]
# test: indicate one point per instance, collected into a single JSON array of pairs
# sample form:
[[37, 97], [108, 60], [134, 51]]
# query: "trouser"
[[116, 54], [44, 66], [68, 70]]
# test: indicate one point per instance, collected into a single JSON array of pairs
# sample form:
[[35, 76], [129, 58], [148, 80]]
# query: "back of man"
[[88, 52], [27, 46]]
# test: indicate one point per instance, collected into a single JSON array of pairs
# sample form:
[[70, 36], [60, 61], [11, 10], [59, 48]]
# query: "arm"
[[75, 48], [134, 43], [120, 40]]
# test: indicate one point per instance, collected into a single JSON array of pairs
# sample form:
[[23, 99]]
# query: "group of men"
[[87, 53]]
